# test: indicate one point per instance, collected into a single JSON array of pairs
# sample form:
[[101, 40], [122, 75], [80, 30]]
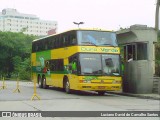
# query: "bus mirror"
[[70, 67]]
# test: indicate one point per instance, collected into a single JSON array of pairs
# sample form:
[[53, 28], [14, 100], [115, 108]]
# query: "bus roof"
[[76, 29]]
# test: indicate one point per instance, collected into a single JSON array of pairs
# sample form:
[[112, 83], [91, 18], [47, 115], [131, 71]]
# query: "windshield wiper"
[[89, 43], [107, 45]]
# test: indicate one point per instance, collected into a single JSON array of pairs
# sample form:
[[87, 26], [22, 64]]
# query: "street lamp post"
[[157, 16], [78, 23]]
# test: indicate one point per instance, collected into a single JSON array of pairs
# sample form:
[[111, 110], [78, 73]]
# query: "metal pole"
[[157, 16], [17, 89], [3, 84], [35, 92]]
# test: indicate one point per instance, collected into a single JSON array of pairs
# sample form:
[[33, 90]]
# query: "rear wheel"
[[40, 83]]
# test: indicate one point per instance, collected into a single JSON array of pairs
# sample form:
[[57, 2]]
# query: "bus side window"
[[73, 62], [35, 47], [51, 65], [53, 43], [69, 40], [73, 40], [66, 41], [38, 46], [46, 45], [56, 42], [50, 43], [60, 42]]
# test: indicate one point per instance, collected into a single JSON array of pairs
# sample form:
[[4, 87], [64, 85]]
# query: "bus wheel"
[[67, 86], [101, 92], [44, 83], [40, 84]]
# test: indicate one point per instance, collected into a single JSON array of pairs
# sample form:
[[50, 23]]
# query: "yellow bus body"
[[97, 83]]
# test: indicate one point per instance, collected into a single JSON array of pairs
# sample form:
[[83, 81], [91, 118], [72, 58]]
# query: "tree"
[[157, 56], [15, 48]]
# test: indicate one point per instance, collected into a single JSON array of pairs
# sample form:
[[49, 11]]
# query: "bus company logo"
[[42, 64], [88, 49], [104, 50], [6, 114]]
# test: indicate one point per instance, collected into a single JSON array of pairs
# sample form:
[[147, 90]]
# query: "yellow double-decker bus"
[[79, 59]]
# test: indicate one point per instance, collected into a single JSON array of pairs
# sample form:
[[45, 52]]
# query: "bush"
[[24, 75]]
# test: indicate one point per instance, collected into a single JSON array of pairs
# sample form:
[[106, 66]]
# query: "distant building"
[[52, 31], [12, 20]]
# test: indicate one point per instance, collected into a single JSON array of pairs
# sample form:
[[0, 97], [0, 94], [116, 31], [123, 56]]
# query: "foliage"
[[25, 72], [157, 56], [15, 49]]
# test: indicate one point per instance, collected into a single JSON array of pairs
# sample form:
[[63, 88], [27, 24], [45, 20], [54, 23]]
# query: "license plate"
[[101, 87]]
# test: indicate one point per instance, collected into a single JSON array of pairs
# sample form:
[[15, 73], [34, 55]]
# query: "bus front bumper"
[[97, 87]]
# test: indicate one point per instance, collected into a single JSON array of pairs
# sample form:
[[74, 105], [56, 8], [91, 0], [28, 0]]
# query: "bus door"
[[73, 78]]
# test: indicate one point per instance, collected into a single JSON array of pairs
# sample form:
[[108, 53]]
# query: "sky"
[[103, 14]]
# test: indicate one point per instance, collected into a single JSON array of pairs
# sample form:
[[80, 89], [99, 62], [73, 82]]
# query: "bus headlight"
[[85, 81], [116, 82]]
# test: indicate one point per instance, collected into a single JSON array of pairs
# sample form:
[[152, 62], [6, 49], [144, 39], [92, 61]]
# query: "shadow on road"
[[80, 93]]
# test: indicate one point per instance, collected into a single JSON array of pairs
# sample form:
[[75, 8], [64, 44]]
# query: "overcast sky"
[[105, 14]]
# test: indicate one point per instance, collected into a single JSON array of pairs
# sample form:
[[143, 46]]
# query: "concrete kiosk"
[[139, 58]]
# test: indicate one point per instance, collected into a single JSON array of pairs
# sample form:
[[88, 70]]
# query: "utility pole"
[[157, 16]]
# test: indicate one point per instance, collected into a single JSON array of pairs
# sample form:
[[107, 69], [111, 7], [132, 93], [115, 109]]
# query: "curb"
[[145, 96]]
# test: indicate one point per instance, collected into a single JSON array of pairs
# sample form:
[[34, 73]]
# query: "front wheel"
[[67, 87], [45, 86]]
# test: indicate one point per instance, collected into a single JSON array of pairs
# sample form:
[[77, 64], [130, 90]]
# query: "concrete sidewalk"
[[144, 96]]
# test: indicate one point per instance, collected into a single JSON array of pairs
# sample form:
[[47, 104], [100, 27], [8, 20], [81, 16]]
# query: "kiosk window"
[[136, 51], [142, 51]]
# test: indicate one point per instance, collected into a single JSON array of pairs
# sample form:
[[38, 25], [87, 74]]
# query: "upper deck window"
[[73, 38], [98, 38]]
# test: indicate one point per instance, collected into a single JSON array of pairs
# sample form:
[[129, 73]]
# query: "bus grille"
[[102, 81]]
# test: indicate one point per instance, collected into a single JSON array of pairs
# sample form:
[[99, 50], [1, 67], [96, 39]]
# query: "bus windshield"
[[98, 38], [100, 64]]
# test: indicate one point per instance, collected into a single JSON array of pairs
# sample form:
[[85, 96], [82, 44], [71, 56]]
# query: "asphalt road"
[[54, 99]]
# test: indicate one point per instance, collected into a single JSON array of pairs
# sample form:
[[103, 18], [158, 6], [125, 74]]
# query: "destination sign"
[[114, 50]]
